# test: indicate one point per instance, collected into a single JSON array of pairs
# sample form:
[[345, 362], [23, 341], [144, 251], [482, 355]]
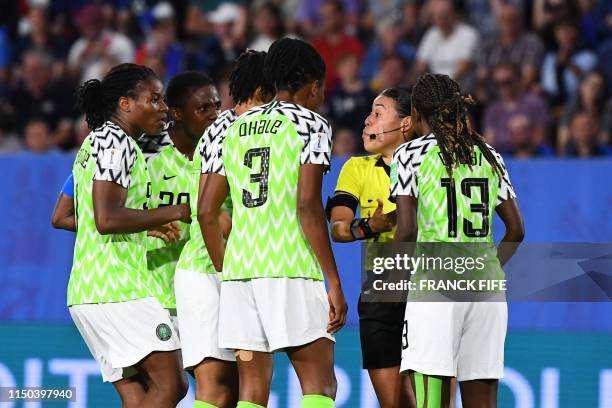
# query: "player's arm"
[[209, 212], [407, 224], [63, 213], [510, 215], [112, 217], [346, 228], [312, 220]]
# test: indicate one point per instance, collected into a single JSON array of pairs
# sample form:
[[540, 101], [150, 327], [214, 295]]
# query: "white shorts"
[[197, 306], [456, 339], [270, 314], [120, 334]]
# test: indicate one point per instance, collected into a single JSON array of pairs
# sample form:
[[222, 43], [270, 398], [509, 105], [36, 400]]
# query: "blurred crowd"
[[539, 70]]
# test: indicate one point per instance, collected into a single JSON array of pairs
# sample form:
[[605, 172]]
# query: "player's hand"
[[337, 309], [184, 213], [170, 232], [380, 222], [225, 221]]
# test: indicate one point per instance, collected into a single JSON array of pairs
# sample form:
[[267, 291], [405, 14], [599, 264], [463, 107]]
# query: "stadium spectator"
[[310, 19], [37, 95], [513, 101], [99, 47], [448, 47], [351, 98], [161, 46], [606, 124], [229, 22], [583, 138], [268, 26], [9, 142], [345, 143], [511, 45], [334, 41], [591, 99], [392, 73], [562, 69], [38, 138], [546, 14], [35, 34], [388, 41], [521, 129]]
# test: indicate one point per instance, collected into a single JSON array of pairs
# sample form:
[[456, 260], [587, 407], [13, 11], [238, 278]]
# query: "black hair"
[[183, 85], [402, 97], [438, 98], [277, 15], [291, 64], [98, 99], [247, 75]]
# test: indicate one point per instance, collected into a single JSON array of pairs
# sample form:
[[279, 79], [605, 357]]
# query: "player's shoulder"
[[416, 149], [110, 135], [303, 118], [221, 124]]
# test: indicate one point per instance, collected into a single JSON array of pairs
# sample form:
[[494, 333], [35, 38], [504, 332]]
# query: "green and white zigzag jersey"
[[194, 256], [261, 155], [171, 175], [112, 267], [458, 211], [452, 211]]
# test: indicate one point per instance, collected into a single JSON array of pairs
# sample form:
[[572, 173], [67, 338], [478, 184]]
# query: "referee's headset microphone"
[[374, 135]]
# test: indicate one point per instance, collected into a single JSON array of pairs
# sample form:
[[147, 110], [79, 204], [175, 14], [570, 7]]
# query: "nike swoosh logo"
[[169, 177]]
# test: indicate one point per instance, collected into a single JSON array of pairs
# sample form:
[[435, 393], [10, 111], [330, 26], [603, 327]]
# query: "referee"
[[364, 182]]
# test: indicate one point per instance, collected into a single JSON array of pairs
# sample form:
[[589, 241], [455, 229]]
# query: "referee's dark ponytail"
[[98, 99]]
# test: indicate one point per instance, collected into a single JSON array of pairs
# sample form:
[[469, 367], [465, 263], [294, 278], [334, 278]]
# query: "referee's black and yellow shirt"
[[364, 180]]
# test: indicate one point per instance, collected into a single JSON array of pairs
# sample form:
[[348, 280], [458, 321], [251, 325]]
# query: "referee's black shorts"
[[380, 332]]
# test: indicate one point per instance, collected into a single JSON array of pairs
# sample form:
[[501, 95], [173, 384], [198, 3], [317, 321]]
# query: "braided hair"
[[248, 75], [291, 64], [438, 98], [98, 99]]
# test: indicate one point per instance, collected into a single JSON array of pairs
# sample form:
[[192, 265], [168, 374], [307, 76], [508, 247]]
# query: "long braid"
[[439, 100]]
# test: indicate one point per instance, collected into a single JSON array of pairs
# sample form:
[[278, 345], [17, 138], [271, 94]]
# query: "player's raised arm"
[[63, 213]]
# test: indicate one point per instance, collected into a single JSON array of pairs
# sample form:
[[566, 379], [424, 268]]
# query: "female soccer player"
[[364, 182], [196, 283], [272, 160], [109, 292], [450, 167]]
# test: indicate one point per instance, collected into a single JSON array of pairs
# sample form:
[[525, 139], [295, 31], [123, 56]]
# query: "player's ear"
[[176, 114], [125, 103]]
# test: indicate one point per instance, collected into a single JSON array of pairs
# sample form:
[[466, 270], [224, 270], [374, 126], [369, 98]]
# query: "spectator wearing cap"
[[99, 47], [511, 45], [513, 101], [268, 26], [229, 22], [562, 69], [334, 41], [161, 47], [448, 47], [351, 98], [591, 99], [388, 41], [39, 96]]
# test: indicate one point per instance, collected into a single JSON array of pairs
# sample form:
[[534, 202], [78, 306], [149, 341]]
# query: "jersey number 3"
[[261, 178], [483, 207]]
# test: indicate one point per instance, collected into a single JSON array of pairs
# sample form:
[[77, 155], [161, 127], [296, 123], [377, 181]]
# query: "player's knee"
[[172, 387]]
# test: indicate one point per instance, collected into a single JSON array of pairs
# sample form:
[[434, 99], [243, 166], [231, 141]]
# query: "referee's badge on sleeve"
[[111, 159], [320, 143]]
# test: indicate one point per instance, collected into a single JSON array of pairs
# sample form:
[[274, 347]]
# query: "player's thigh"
[[479, 393], [314, 366], [197, 301], [164, 370], [432, 391], [293, 312], [481, 352]]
